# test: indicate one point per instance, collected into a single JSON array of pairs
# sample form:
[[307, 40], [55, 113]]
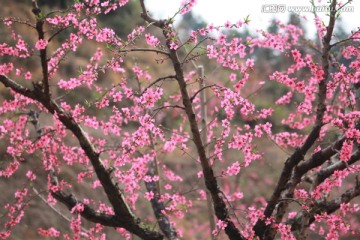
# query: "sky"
[[261, 11]]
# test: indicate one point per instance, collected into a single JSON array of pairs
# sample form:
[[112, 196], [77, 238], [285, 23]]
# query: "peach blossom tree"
[[120, 126]]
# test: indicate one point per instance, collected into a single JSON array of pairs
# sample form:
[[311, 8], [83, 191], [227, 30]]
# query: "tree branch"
[[324, 206], [144, 50], [201, 89], [146, 17], [170, 106], [53, 208], [341, 165], [321, 157], [114, 194], [156, 81], [89, 214], [158, 206], [188, 54], [318, 158], [9, 83], [260, 228], [344, 40], [220, 207], [43, 52]]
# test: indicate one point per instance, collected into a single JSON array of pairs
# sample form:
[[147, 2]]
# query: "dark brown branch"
[[188, 54], [156, 81], [324, 206], [144, 50], [344, 41], [36, 10], [59, 31], [266, 231], [114, 194], [158, 206], [146, 17], [302, 221], [15, 20], [343, 5], [43, 52], [170, 106], [220, 207], [321, 157], [9, 83], [54, 209], [201, 89], [341, 165], [89, 214], [318, 158]]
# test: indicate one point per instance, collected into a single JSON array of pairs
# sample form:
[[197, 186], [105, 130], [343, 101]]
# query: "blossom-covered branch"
[[220, 207], [112, 191]]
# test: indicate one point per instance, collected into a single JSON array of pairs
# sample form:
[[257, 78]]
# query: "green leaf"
[[247, 19]]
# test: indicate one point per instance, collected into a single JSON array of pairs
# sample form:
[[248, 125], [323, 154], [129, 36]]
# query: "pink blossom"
[[221, 224], [31, 175], [51, 232], [320, 27], [173, 46], [151, 40], [28, 75], [346, 150], [41, 44], [187, 5], [149, 195], [228, 24], [234, 169]]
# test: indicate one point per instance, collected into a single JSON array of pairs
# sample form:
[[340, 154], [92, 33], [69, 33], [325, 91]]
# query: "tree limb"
[[221, 210], [338, 166], [43, 52], [113, 193], [260, 228], [324, 206], [156, 81], [144, 50]]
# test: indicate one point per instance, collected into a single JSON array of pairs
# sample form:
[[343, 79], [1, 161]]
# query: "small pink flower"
[[228, 24], [30, 175], [173, 46], [51, 232], [149, 195], [221, 224], [28, 75], [41, 44]]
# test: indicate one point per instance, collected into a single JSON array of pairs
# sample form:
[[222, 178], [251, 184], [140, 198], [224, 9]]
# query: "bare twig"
[[155, 82], [201, 89], [192, 49], [15, 20], [346, 40], [144, 50]]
